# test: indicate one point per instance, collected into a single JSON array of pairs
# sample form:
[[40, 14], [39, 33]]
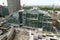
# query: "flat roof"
[[36, 11]]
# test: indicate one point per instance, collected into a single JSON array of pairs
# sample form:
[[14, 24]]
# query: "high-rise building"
[[13, 5]]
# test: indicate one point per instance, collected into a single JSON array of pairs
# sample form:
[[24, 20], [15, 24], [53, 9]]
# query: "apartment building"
[[36, 19], [32, 19]]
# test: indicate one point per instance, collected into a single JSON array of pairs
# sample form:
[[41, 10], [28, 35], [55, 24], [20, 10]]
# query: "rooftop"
[[35, 11]]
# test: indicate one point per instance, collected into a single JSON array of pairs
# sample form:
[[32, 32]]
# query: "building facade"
[[36, 19], [31, 19], [13, 5], [3, 11]]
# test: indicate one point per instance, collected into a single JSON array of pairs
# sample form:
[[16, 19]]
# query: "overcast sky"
[[35, 2]]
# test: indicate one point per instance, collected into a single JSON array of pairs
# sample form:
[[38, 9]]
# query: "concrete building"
[[31, 19], [35, 19], [3, 11], [13, 5]]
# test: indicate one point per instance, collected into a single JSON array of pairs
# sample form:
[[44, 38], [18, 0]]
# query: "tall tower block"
[[13, 5]]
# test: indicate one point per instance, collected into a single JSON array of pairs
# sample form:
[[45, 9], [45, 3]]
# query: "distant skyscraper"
[[13, 5]]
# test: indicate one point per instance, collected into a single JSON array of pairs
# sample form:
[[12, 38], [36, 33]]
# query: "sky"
[[3, 1], [35, 2]]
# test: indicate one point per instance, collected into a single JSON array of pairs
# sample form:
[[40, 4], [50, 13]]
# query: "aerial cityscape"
[[21, 20]]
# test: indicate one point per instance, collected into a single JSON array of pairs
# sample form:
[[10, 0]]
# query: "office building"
[[36, 19], [13, 5]]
